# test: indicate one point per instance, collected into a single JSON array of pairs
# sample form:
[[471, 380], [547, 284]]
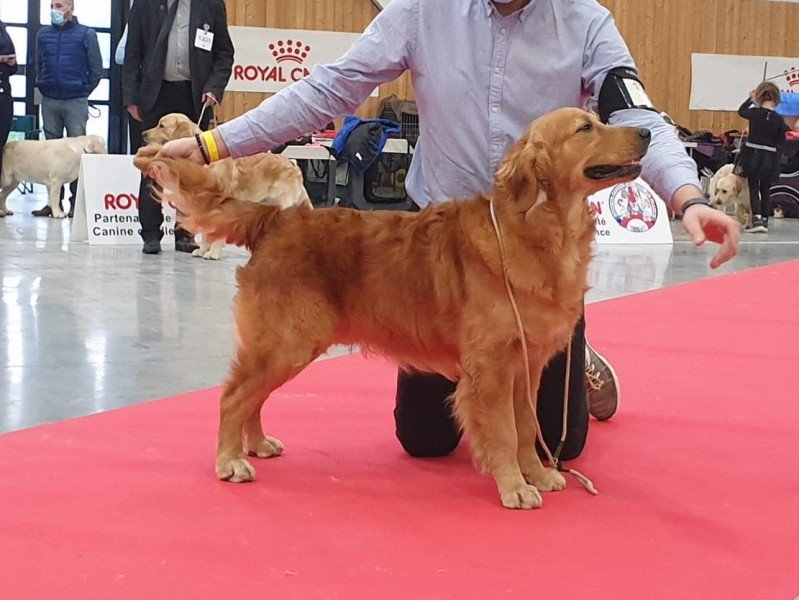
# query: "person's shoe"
[[43, 212], [186, 245], [151, 247], [602, 384], [759, 225]]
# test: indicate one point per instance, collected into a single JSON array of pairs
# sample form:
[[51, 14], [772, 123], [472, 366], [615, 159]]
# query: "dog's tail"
[[204, 202]]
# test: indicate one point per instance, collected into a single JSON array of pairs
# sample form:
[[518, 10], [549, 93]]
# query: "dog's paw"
[[59, 214], [237, 470], [198, 253], [548, 480], [266, 447], [212, 255], [523, 495], [6, 212]]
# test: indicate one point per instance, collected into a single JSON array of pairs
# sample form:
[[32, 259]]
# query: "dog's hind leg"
[[4, 194], [214, 251], [205, 245], [251, 381], [267, 358], [484, 407], [543, 478]]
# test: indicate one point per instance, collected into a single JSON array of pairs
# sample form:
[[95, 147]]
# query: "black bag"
[[384, 181], [404, 112]]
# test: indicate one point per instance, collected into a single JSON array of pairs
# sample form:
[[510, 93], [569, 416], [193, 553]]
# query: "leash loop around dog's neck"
[[553, 460]]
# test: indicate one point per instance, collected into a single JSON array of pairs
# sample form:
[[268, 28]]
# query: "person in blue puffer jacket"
[[68, 68]]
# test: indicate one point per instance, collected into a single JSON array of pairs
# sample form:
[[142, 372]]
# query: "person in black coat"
[[178, 58], [760, 156], [8, 67]]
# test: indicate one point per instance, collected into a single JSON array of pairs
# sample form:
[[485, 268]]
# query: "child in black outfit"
[[760, 156]]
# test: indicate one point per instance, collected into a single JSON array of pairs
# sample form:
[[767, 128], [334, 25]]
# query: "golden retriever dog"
[[263, 178], [730, 193], [425, 289], [53, 163]]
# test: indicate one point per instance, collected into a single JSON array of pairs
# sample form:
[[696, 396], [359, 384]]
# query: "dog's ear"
[[736, 186], [521, 174], [182, 129]]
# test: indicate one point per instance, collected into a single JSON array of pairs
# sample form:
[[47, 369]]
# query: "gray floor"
[[86, 329]]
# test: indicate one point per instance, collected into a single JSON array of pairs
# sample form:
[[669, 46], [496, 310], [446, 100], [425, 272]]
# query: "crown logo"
[[290, 50], [793, 79]]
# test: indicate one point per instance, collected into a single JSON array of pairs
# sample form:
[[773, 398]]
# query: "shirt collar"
[[523, 13]]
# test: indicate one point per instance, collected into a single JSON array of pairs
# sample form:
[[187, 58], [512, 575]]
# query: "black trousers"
[[174, 97], [6, 118], [426, 427], [760, 196]]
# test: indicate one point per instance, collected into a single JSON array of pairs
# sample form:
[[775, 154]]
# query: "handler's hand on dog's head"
[[706, 223], [182, 148]]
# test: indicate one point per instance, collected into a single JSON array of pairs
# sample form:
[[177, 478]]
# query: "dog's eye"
[[585, 128]]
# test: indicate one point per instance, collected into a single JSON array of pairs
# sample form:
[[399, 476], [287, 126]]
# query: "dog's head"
[[570, 153], [93, 144], [728, 188], [171, 127]]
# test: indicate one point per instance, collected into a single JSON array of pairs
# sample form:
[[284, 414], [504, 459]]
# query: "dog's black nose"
[[645, 134]]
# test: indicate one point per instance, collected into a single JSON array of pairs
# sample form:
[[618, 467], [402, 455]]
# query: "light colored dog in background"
[[264, 178], [53, 163], [730, 194]]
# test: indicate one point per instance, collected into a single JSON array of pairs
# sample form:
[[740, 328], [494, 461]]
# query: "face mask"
[[58, 17]]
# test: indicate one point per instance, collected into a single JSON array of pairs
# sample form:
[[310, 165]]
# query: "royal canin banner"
[[267, 60], [723, 81], [107, 204]]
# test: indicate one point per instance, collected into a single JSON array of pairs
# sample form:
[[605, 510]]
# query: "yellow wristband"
[[210, 142]]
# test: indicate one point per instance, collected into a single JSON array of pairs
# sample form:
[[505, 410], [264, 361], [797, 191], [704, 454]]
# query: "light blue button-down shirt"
[[479, 78]]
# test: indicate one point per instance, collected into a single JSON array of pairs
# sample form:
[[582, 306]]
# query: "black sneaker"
[[759, 225], [151, 247], [186, 245]]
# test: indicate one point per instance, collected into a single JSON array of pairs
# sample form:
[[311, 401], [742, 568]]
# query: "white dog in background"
[[730, 194], [53, 163]]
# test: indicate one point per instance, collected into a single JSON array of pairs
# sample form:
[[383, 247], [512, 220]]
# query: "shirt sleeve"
[[331, 91], [134, 53], [119, 55], [666, 166], [745, 109], [95, 59]]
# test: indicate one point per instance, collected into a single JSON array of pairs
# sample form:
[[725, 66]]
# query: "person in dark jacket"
[[8, 66], [760, 156], [178, 58], [69, 67]]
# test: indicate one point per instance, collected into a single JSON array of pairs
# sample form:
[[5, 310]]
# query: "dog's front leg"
[[55, 200], [543, 478], [484, 406], [743, 214]]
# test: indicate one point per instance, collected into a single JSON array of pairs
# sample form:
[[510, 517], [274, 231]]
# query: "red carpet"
[[698, 478]]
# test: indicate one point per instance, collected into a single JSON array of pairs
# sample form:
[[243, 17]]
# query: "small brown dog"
[[264, 178], [426, 289]]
